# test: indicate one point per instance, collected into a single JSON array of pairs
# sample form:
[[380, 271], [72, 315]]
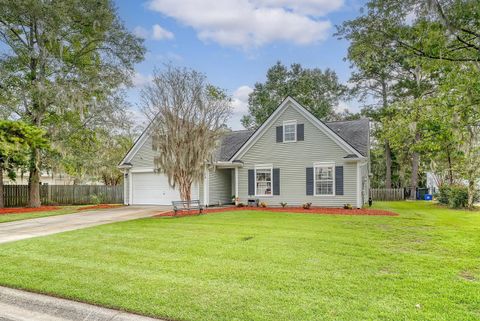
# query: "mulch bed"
[[99, 206], [21, 210], [313, 210]]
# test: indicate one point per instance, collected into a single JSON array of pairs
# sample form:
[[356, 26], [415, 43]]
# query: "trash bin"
[[428, 197]]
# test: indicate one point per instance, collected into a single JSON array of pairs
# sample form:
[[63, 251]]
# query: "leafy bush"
[[307, 206], [347, 206], [454, 196], [263, 204], [240, 205], [96, 199], [283, 204]]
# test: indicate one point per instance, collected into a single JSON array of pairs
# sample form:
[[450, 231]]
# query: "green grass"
[[25, 216], [421, 265]]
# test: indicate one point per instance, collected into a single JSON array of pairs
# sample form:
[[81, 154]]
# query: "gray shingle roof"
[[231, 143], [354, 132]]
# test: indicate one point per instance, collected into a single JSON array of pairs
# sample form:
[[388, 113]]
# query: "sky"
[[234, 42]]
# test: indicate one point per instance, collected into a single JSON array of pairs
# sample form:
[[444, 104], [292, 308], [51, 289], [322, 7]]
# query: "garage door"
[[151, 188]]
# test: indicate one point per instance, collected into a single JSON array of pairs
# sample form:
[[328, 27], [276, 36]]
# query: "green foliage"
[[319, 91], [454, 196]]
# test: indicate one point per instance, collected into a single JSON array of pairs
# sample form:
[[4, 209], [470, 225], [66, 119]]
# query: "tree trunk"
[[471, 193], [34, 179], [2, 202], [450, 170], [388, 165], [185, 191], [414, 178]]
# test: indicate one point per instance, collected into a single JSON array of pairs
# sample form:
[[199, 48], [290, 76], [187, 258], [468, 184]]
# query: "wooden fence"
[[387, 194], [17, 195]]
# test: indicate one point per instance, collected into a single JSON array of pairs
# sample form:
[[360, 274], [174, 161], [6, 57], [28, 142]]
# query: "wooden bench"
[[179, 206]]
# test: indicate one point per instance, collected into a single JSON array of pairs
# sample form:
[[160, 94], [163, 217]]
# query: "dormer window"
[[289, 131]]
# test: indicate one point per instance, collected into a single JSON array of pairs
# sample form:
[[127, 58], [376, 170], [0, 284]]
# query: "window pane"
[[290, 131], [324, 180], [264, 181]]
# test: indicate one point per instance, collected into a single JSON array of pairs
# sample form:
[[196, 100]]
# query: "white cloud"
[[240, 99], [252, 23], [140, 80], [159, 33]]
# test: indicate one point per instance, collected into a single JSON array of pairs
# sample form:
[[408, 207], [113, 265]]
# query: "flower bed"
[[313, 210], [21, 210], [99, 206]]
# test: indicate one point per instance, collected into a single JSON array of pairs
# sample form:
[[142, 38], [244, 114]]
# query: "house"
[[292, 157]]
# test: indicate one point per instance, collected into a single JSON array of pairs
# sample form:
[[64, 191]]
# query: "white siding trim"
[[359, 186], [130, 188], [142, 170], [206, 192], [236, 185], [290, 122]]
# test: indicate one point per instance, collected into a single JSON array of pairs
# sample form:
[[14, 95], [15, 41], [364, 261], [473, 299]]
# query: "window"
[[290, 131], [263, 181], [324, 179]]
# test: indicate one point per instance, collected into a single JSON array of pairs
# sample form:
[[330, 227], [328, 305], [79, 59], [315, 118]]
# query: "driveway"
[[17, 305], [19, 230]]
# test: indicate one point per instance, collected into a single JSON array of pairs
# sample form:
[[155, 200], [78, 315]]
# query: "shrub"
[[443, 194], [283, 204], [347, 206], [307, 206], [240, 205], [454, 196], [263, 204], [96, 199]]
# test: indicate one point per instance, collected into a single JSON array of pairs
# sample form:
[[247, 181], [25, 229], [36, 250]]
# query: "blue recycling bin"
[[428, 197]]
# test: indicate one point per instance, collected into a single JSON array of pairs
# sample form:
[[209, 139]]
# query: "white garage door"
[[151, 188]]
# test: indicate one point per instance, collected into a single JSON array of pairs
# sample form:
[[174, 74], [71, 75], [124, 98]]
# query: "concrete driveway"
[[19, 230]]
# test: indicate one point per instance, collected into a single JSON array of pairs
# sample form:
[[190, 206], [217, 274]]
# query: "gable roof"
[[333, 133], [231, 143], [354, 132]]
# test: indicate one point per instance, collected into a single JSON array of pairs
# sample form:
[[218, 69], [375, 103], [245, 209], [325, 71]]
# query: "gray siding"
[[145, 155], [292, 159], [220, 181]]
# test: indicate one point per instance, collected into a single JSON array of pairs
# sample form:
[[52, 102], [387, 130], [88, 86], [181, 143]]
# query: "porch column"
[[236, 185]]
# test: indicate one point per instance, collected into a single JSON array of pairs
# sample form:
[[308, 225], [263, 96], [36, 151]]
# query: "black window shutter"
[[338, 180], [309, 180], [300, 132], [276, 181], [251, 182], [279, 134]]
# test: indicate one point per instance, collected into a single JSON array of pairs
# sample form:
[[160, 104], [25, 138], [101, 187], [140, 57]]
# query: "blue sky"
[[234, 42]]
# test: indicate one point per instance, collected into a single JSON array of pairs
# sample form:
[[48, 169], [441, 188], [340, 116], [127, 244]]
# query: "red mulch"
[[21, 210], [99, 206], [313, 210]]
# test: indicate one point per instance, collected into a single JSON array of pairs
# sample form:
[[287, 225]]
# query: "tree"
[[317, 90], [60, 58], [16, 140], [188, 117]]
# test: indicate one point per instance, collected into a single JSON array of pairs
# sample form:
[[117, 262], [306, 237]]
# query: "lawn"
[[25, 216], [423, 264]]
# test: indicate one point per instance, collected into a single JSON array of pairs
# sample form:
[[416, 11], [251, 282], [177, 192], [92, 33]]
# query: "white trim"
[[274, 116], [264, 166], [323, 164], [137, 145], [359, 187], [130, 187], [236, 185], [290, 122], [143, 170], [126, 180], [206, 184]]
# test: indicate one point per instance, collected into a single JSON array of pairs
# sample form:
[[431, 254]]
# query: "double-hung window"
[[290, 131], [263, 181], [324, 179]]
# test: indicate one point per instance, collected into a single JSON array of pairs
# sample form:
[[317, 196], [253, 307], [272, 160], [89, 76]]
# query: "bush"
[[454, 196], [96, 199], [283, 204], [307, 206], [348, 206], [240, 205], [263, 204]]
